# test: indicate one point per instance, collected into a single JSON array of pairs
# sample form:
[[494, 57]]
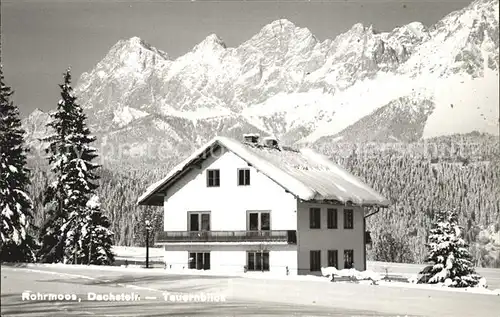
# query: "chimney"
[[252, 138], [270, 142]]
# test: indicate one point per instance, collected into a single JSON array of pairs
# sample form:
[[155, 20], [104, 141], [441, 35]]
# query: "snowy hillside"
[[410, 83]]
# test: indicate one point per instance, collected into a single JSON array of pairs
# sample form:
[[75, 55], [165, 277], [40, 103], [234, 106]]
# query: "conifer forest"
[[416, 185]]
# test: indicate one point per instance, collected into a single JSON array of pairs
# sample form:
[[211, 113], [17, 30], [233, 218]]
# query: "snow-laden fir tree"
[[89, 240], [452, 262], [74, 219], [17, 244]]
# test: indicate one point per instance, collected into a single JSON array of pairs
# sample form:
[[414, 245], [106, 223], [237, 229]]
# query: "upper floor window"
[[259, 220], [332, 218], [244, 177], [314, 218], [199, 221], [348, 219], [213, 178]]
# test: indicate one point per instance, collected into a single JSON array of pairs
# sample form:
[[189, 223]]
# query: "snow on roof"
[[306, 174]]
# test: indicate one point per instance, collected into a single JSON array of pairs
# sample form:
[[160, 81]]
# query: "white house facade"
[[253, 206]]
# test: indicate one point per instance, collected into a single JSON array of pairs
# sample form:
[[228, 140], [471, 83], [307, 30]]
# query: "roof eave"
[[143, 200], [337, 201], [377, 204], [149, 204]]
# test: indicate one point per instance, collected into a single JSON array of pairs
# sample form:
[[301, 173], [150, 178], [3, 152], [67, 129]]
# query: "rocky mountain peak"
[[464, 41], [283, 81], [357, 28], [479, 11], [35, 125], [133, 54], [211, 43], [127, 60], [134, 45], [488, 5], [276, 44], [37, 112], [278, 25], [37, 115], [282, 31], [412, 30], [133, 42]]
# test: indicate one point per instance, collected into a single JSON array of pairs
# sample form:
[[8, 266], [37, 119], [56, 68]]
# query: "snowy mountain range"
[[410, 83]]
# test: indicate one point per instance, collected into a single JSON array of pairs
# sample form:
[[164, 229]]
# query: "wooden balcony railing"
[[288, 236]]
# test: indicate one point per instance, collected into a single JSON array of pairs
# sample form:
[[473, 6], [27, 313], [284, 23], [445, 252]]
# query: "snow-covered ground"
[[244, 296], [376, 271], [377, 279], [366, 277]]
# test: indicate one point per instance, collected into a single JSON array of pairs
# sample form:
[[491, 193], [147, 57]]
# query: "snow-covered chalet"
[[254, 205]]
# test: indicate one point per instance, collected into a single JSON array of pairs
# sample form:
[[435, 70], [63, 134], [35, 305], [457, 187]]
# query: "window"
[[259, 220], [332, 218], [199, 221], [258, 260], [213, 178], [314, 218], [348, 219], [244, 177], [199, 260], [348, 259], [315, 260], [333, 258]]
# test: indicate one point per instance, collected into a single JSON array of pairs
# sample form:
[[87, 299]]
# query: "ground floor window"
[[348, 259], [315, 260], [333, 258], [258, 260], [199, 260]]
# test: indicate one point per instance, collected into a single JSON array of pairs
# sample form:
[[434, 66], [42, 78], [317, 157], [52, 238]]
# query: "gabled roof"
[[305, 174]]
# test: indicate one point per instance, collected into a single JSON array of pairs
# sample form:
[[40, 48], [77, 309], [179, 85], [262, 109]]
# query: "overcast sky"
[[40, 38]]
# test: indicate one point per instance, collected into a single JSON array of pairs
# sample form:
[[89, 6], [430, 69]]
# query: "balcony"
[[286, 236]]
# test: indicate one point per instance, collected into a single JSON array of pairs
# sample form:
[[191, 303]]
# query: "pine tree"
[[72, 219], [90, 240], [17, 245], [452, 263]]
